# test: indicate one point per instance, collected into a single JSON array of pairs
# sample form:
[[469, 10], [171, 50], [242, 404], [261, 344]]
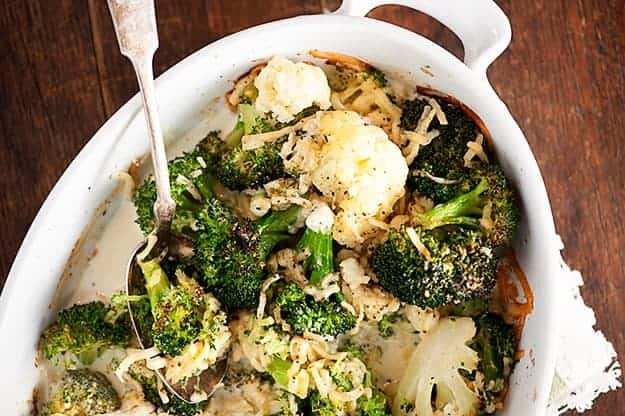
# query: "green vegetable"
[[304, 314], [462, 265], [231, 252], [462, 210], [471, 307], [191, 187], [443, 157], [86, 331], [180, 312], [320, 260], [495, 344], [83, 393], [278, 369], [174, 407], [240, 169], [385, 325]]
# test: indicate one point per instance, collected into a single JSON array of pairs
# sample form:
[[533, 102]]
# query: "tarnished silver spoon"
[[135, 27]]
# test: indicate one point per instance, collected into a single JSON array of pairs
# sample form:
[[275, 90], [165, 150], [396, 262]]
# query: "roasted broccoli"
[[150, 387], [460, 265], [438, 171], [182, 313], [502, 201], [83, 393], [176, 310], [320, 260], [240, 169], [231, 252], [190, 189], [305, 314], [86, 330], [445, 259], [495, 345], [465, 210], [472, 307]]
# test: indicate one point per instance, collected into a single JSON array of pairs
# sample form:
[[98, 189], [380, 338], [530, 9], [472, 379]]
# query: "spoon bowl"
[[208, 380]]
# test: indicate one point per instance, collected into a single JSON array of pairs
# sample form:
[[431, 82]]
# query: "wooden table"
[[563, 77]]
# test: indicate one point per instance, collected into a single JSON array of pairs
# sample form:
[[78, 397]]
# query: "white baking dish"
[[185, 91]]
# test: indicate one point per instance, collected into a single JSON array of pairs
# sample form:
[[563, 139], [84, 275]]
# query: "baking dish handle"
[[481, 25]]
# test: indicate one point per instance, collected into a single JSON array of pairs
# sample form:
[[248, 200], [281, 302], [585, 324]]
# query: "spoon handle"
[[135, 27]]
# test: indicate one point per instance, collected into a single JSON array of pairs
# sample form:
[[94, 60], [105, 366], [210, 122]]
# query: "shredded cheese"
[[414, 239], [262, 298], [475, 148], [133, 356]]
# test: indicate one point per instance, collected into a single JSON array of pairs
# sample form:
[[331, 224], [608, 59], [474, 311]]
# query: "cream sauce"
[[97, 270]]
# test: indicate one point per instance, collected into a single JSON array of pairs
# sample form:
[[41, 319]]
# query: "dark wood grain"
[[563, 78]]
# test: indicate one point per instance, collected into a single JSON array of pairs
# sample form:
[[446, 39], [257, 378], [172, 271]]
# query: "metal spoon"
[[135, 27]]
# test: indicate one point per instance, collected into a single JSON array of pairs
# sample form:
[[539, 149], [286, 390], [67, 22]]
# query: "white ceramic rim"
[[35, 257]]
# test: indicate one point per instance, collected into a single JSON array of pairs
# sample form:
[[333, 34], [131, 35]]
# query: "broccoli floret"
[[190, 189], [83, 393], [460, 266], [385, 325], [86, 330], [465, 209], [174, 406], [443, 157], [493, 192], [182, 313], [446, 151], [495, 345], [378, 76], [471, 307], [503, 202], [318, 406], [240, 169], [305, 314], [231, 252], [446, 259], [176, 310], [320, 260], [278, 369], [141, 314], [353, 350], [376, 405]]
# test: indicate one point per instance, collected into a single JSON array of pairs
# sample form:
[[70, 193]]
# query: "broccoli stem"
[[273, 228], [457, 211], [156, 282], [233, 139], [248, 115], [320, 261], [278, 369], [245, 125]]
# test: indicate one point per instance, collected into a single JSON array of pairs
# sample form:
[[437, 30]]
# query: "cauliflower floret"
[[436, 361], [361, 172], [285, 88]]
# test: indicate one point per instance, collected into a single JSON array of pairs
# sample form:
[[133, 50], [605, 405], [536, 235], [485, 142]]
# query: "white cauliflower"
[[285, 88], [361, 172], [436, 361]]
